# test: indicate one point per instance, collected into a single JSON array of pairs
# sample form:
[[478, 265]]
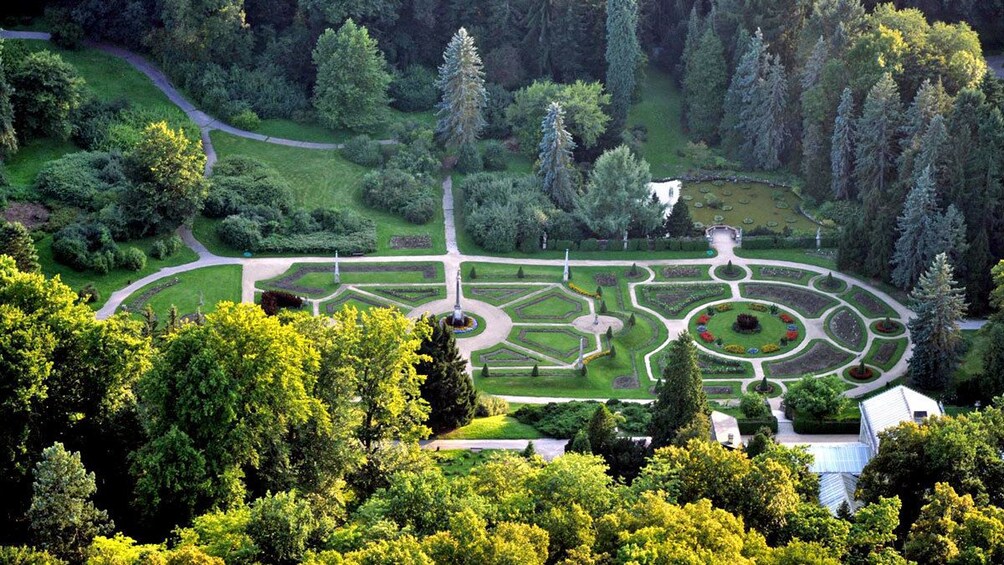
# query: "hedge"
[[805, 425], [780, 242], [634, 244], [748, 427]]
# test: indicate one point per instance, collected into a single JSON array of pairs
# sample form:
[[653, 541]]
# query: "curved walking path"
[[499, 324]]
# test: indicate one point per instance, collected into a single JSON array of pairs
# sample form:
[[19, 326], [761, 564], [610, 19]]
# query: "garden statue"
[[544, 244], [458, 314], [582, 352], [564, 276], [338, 275], [819, 238]]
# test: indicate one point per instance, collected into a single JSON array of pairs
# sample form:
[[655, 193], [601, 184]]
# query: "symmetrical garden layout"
[[750, 318]]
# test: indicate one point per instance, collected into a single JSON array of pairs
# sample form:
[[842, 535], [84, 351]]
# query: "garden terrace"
[[316, 280], [806, 302], [554, 306], [784, 274], [558, 343], [746, 329], [413, 296], [846, 328], [682, 273], [191, 291], [818, 358], [673, 301], [498, 295], [506, 355], [885, 353], [867, 303]]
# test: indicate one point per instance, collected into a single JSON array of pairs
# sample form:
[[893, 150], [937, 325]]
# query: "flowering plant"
[[707, 337], [791, 335], [786, 318]]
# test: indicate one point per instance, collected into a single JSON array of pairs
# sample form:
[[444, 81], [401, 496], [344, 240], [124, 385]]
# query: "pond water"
[[745, 205]]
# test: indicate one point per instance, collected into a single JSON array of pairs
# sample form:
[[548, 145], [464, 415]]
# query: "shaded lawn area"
[[23, 166], [494, 427], [209, 285], [323, 179], [660, 110], [972, 361], [313, 131], [117, 278]]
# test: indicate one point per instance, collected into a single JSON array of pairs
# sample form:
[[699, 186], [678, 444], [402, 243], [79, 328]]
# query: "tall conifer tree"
[[681, 399], [912, 255], [447, 388], [705, 82], [8, 138], [741, 93], [556, 165], [623, 54], [939, 305], [462, 82], [842, 147]]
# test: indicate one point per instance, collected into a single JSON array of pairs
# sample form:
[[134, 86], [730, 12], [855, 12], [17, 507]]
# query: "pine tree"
[[447, 388], [352, 79], [16, 242], [876, 151], [8, 137], [741, 93], [912, 255], [623, 55], [556, 165], [842, 147], [62, 518], [705, 82], [815, 145], [768, 118], [681, 398], [939, 305], [462, 82]]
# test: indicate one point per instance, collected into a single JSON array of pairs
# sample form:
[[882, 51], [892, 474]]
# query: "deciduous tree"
[[352, 79], [45, 90], [618, 197]]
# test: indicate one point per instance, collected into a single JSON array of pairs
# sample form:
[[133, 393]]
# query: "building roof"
[[725, 430], [838, 457], [837, 488], [897, 405]]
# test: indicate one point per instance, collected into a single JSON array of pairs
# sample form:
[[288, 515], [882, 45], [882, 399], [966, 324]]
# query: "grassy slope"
[[214, 283], [322, 179], [660, 110], [494, 427], [316, 132]]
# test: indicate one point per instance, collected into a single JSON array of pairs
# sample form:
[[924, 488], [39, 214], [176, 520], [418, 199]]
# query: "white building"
[[891, 408]]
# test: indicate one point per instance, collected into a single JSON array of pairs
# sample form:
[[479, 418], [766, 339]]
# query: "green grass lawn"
[[23, 166], [459, 462], [507, 272], [553, 306], [891, 359], [497, 295], [558, 343], [290, 129], [210, 285], [772, 330], [826, 260], [972, 361], [660, 110], [323, 283], [493, 427], [323, 179], [773, 208], [116, 279], [349, 298]]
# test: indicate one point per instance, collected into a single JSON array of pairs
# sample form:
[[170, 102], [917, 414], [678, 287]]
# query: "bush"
[[505, 212], [89, 294], [362, 150], [273, 300], [754, 406], [469, 160], [92, 120], [85, 246], [164, 248], [807, 425], [399, 192], [497, 125], [490, 406], [132, 259], [245, 119], [83, 180], [748, 426], [414, 90], [240, 233], [494, 155], [241, 184]]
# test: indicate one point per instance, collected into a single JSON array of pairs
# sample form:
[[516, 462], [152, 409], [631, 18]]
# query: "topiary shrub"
[[362, 150]]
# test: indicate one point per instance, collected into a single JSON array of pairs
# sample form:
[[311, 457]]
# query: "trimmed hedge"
[[805, 425], [781, 242], [748, 427]]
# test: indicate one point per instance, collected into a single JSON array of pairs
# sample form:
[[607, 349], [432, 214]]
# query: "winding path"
[[499, 324]]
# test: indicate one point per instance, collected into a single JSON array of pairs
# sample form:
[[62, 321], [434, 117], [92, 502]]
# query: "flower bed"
[[579, 290], [888, 327], [803, 300], [733, 330], [469, 325], [707, 337], [711, 365], [605, 279], [847, 329], [677, 272], [859, 374], [868, 303], [673, 300], [820, 357], [723, 307], [594, 356]]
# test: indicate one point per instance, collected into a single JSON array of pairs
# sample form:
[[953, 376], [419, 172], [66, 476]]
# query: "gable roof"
[[725, 430], [837, 488], [889, 409], [838, 457]]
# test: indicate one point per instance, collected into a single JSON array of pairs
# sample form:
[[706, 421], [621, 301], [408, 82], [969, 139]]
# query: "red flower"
[[791, 335], [787, 319], [703, 319], [708, 336]]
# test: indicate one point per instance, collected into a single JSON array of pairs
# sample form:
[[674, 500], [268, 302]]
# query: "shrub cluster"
[[164, 248], [504, 213], [362, 150], [241, 95], [274, 300], [85, 246], [400, 192], [414, 89], [565, 419], [490, 406]]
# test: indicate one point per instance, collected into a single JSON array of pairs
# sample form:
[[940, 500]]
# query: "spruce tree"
[[679, 223], [602, 429], [622, 56], [939, 305], [8, 137], [462, 83], [931, 152], [695, 31], [741, 93], [579, 443], [16, 242], [842, 147], [769, 124], [556, 165], [912, 255], [681, 398], [447, 388], [705, 81], [876, 138], [815, 145], [352, 79], [62, 518]]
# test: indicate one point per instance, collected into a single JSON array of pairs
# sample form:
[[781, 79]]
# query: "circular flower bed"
[[471, 326], [888, 327], [746, 329]]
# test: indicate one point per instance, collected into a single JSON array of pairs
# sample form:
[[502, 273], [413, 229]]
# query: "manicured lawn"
[[497, 295], [736, 387], [320, 284], [559, 343], [116, 279], [826, 259], [553, 306], [290, 129], [209, 285], [673, 301], [505, 355], [507, 272], [568, 383], [350, 298], [323, 179], [660, 111], [890, 355], [764, 206], [494, 427], [23, 166], [410, 295], [772, 330]]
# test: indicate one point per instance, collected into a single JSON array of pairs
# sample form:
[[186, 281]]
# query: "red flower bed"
[[786, 318], [708, 337], [703, 319], [791, 335]]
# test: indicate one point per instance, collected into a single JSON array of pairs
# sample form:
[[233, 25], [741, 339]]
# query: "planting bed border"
[[329, 307], [402, 294], [515, 311], [481, 292], [517, 357], [796, 300], [878, 333], [821, 355], [831, 332], [681, 273], [817, 284], [676, 309], [519, 337], [894, 355], [877, 309], [803, 276], [775, 390], [743, 273], [136, 305]]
